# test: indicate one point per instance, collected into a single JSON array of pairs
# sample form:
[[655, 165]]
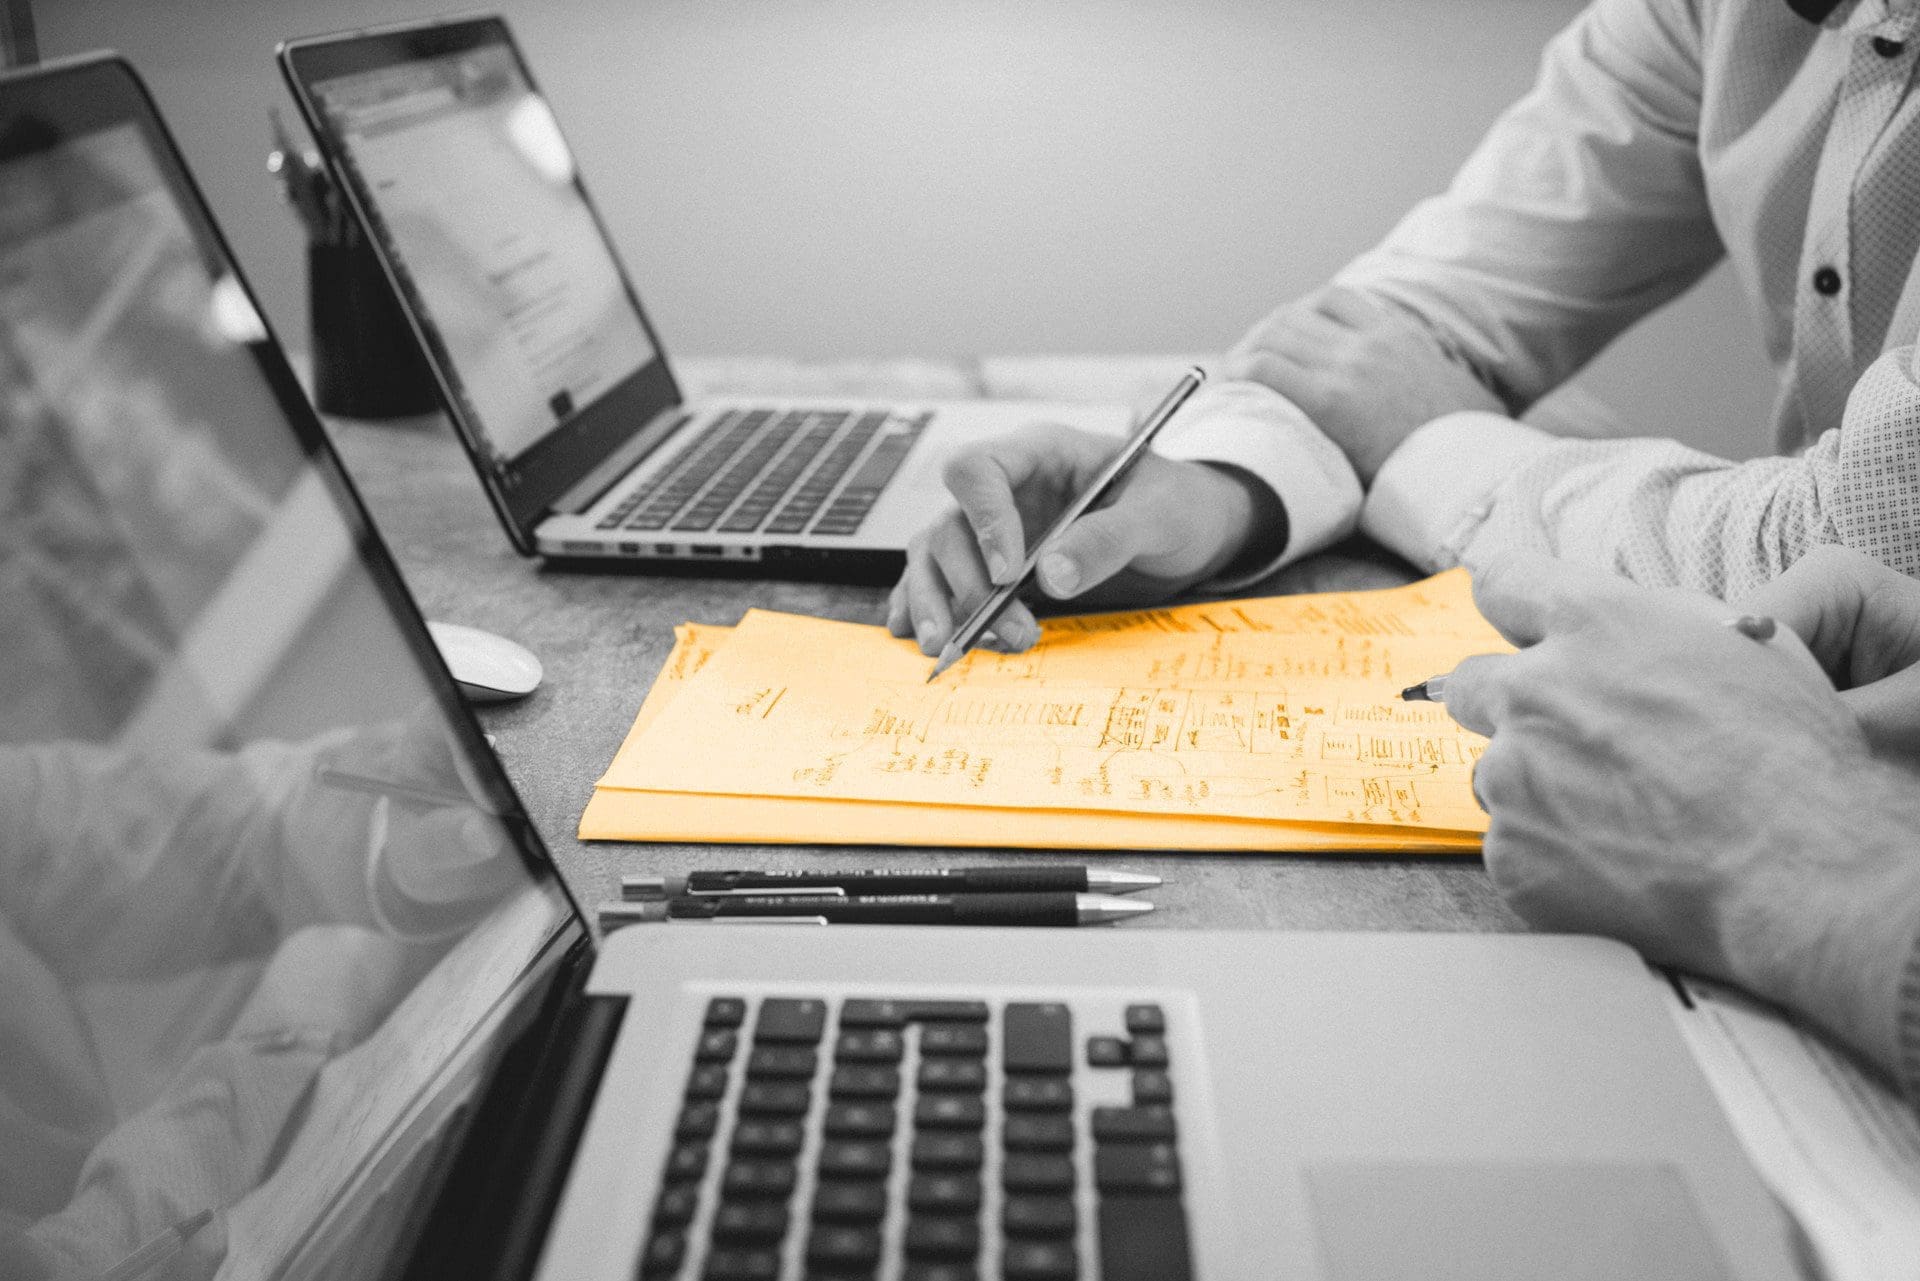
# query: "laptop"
[[460, 177], [292, 987]]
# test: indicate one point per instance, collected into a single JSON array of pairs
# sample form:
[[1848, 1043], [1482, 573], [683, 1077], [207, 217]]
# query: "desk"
[[602, 636]]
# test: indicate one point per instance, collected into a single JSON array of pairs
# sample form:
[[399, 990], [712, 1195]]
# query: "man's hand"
[[1366, 374], [1170, 524], [1656, 776], [1862, 621]]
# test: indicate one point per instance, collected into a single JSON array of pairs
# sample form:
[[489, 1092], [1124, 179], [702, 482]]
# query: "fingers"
[[1821, 598], [982, 482], [1527, 596], [1479, 691], [1094, 549], [1889, 712], [1348, 308], [945, 580]]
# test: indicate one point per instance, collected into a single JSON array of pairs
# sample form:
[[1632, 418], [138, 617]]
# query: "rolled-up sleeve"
[[1583, 209], [1656, 511]]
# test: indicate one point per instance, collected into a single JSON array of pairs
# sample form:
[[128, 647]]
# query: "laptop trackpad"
[[1381, 1222]]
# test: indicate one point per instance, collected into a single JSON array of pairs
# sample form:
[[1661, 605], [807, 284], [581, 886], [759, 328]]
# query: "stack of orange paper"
[[1268, 724]]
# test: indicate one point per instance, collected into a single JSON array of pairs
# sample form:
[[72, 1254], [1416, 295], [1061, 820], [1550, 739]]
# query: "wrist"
[[1824, 921], [1253, 521]]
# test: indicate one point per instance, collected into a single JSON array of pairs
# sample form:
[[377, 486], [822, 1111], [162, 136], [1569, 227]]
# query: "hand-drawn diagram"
[[1292, 717]]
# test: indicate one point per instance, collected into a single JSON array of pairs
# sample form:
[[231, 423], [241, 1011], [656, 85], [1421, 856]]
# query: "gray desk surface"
[[602, 636]]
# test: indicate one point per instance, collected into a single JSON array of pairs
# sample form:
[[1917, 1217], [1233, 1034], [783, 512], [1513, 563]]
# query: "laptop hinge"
[[490, 1221], [588, 490]]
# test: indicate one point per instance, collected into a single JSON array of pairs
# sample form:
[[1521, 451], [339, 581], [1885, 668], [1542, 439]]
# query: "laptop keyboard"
[[783, 471], [927, 1140]]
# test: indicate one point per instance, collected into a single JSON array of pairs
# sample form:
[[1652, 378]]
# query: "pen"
[[892, 880], [1757, 627], [1136, 447], [159, 1250], [348, 781], [885, 909]]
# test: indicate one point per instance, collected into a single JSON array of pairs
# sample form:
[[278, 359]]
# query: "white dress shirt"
[[1660, 136]]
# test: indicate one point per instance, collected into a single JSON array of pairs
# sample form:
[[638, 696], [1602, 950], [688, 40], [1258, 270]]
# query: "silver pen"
[[1136, 447]]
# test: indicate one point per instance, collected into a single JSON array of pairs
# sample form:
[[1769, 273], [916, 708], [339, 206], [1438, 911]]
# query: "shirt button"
[[1826, 281], [1888, 48]]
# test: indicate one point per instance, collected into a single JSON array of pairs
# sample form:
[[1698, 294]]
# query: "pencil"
[[1135, 449]]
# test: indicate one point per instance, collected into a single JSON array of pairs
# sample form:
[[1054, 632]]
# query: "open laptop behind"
[[291, 989], [459, 174]]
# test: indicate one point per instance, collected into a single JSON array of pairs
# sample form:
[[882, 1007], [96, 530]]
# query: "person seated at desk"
[[1660, 136], [1656, 776]]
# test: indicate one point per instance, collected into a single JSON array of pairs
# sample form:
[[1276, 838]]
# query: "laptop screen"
[[473, 192], [262, 887]]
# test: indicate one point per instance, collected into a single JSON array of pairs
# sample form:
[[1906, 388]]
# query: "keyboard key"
[[726, 1011], [873, 1045], [1106, 1052], [952, 1076], [944, 1193], [955, 1040], [1038, 1132], [866, 1013], [707, 1081], [1148, 1051], [687, 1163], [942, 1237], [1132, 1125], [1037, 1094], [752, 1180], [742, 1265], [1146, 1020], [838, 1201], [778, 1062], [855, 1159], [1152, 1085], [775, 1098], [949, 1112], [1136, 1167], [1030, 1172], [1039, 1216], [1038, 1038], [790, 1022], [861, 1082], [676, 1206], [948, 1151], [663, 1254], [768, 1138], [717, 1046], [859, 1120], [922, 1270], [697, 1121], [1040, 1261], [750, 1223], [1143, 1239], [834, 1246]]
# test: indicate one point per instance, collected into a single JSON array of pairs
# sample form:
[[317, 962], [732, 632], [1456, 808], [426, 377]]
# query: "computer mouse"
[[489, 668]]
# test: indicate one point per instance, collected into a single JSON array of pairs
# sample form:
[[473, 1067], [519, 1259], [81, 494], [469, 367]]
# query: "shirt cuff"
[[1252, 427], [1439, 484]]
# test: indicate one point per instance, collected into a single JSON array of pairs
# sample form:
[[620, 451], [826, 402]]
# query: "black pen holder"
[[366, 360]]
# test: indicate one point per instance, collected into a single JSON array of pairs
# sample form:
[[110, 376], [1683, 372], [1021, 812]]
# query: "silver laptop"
[[292, 988], [459, 174]]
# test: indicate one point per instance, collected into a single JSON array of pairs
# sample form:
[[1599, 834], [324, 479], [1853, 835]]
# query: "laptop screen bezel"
[[523, 491], [83, 95]]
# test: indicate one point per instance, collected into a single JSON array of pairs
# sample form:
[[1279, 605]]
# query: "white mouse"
[[489, 668]]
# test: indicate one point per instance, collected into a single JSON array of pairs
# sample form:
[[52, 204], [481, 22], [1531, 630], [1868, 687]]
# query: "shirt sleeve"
[[1256, 429], [1656, 511], [1583, 209]]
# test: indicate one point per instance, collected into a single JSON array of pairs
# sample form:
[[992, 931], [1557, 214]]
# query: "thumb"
[[1479, 691], [1889, 712], [1090, 551]]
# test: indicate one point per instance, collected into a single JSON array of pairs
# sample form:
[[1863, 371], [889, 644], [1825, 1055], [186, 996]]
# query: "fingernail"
[[991, 640], [998, 567], [1062, 578]]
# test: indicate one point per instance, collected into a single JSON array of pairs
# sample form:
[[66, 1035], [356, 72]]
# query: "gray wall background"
[[849, 178]]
